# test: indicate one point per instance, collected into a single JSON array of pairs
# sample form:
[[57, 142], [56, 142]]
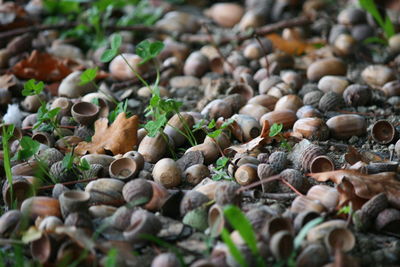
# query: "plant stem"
[[135, 72], [7, 133]]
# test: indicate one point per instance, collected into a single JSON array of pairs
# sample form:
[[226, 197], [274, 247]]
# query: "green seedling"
[[240, 223], [276, 130], [111, 259], [29, 148], [219, 170], [345, 210], [46, 119], [8, 132], [384, 22], [121, 107]]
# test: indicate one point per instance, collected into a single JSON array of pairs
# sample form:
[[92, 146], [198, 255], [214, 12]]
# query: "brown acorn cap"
[[383, 132]]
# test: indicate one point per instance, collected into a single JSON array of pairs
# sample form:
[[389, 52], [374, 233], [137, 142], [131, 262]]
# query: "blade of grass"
[[235, 252], [306, 228]]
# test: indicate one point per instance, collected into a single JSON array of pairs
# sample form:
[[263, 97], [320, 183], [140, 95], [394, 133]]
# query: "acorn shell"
[[330, 101], [85, 113], [41, 207], [281, 245], [321, 230], [195, 173], [9, 223], [249, 125], [312, 98], [340, 238], [278, 160], [327, 66], [124, 168], [303, 218], [308, 257], [264, 171], [209, 150], [321, 164], [226, 193], [286, 117], [345, 126], [23, 187], [165, 260], [153, 148], [192, 200], [303, 203], [142, 222], [290, 102], [388, 220], [60, 173], [383, 132], [246, 174], [167, 173], [326, 195], [357, 95], [296, 179]]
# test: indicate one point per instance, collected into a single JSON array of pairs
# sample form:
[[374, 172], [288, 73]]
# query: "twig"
[[258, 183], [265, 53], [291, 187], [61, 126], [41, 27], [204, 38], [274, 196], [46, 187]]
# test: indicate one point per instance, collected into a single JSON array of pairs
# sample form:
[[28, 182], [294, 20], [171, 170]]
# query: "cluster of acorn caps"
[[259, 89]]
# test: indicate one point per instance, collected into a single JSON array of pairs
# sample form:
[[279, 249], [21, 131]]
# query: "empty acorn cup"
[[44, 249], [142, 222], [383, 132], [281, 245], [321, 164], [73, 201], [123, 168], [44, 138], [340, 238], [85, 113], [216, 220]]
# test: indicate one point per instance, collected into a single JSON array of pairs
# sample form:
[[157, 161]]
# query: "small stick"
[[258, 183], [291, 187], [46, 187], [274, 196]]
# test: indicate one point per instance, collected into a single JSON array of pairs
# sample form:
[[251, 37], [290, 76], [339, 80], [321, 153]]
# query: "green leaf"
[[68, 161], [116, 42], [88, 75], [212, 124], [108, 55], [386, 24], [153, 127], [345, 210], [275, 129], [142, 49], [235, 252], [29, 147], [221, 162], [239, 222], [156, 48], [375, 39], [32, 88], [227, 123], [215, 134], [148, 51], [388, 27], [84, 165], [306, 228], [111, 260]]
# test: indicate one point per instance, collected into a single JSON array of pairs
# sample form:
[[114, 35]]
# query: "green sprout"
[[276, 130]]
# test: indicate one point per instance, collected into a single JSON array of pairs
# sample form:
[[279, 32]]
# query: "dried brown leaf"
[[119, 137], [357, 187], [43, 67], [293, 46], [353, 156]]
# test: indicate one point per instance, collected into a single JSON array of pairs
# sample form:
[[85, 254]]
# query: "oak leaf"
[[293, 46], [357, 188], [119, 137]]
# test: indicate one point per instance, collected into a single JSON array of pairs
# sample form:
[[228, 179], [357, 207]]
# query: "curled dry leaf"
[[293, 46], [353, 156], [42, 67], [119, 137], [357, 188], [257, 142]]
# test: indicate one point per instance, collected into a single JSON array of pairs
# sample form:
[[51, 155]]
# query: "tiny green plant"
[[46, 118], [72, 163], [111, 259], [347, 210], [8, 132], [219, 170], [384, 22], [29, 148], [276, 130], [240, 223]]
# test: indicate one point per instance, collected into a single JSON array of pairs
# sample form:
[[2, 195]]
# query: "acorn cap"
[[383, 132], [85, 113]]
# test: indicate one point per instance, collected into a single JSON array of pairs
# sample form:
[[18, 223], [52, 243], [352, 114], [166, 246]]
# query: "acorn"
[[303, 218], [182, 122], [192, 200], [167, 173], [312, 128], [281, 245], [387, 220], [177, 21], [252, 19], [265, 171], [121, 71], [280, 89], [308, 112], [225, 14], [74, 201], [226, 193], [252, 51], [121, 218], [45, 248], [307, 257], [278, 161], [254, 110], [195, 173], [351, 16], [83, 132], [321, 230], [124, 168], [246, 174], [50, 156], [303, 154], [196, 64], [9, 223], [295, 178], [391, 88], [60, 173], [345, 44], [209, 150], [377, 75], [289, 102], [326, 195], [142, 222], [101, 211], [274, 225], [286, 117], [345, 126], [165, 260], [64, 104], [330, 101], [106, 191], [153, 148], [330, 83], [357, 95], [249, 126], [137, 157], [5, 97], [49, 224], [364, 218], [312, 98], [79, 220], [303, 203], [32, 103], [70, 87], [41, 207], [29, 120], [293, 79], [327, 66], [85, 113], [44, 138], [245, 90], [394, 43], [267, 83], [267, 101], [383, 132], [217, 108]]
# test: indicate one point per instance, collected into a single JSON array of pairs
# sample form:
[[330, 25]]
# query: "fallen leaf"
[[257, 142], [42, 67], [357, 187], [353, 156], [293, 46], [119, 137]]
